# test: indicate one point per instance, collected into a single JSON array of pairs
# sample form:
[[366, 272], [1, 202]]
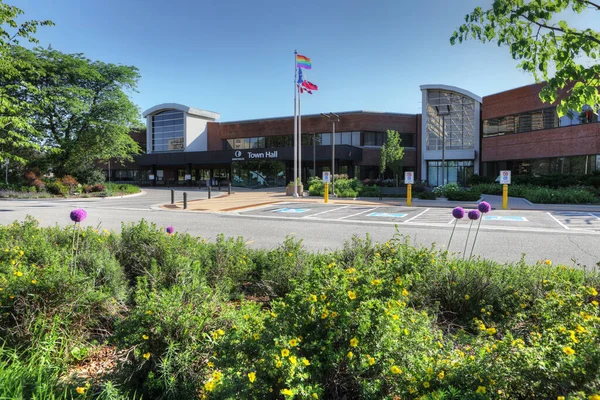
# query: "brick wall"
[[566, 141], [361, 121]]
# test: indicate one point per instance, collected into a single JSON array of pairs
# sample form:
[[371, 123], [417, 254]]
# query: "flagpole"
[[295, 126], [300, 136]]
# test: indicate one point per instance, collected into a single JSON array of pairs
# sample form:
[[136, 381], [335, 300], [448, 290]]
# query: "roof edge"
[[186, 109], [452, 89]]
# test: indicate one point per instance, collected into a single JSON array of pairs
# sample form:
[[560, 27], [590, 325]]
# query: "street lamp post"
[[443, 111], [333, 118]]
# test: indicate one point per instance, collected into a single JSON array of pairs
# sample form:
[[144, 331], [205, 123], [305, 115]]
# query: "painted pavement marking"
[[326, 211], [557, 221], [354, 215], [504, 218], [387, 215], [292, 210], [418, 215]]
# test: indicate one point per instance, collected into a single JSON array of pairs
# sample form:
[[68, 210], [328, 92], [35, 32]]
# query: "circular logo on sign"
[[505, 173], [238, 153]]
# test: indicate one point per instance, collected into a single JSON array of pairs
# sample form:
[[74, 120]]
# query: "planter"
[[289, 190]]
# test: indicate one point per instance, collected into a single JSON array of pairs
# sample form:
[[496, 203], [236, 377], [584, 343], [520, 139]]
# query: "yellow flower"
[[480, 390], [11, 297], [315, 396], [376, 282], [324, 314], [399, 280], [560, 398], [594, 302], [371, 360], [287, 392], [568, 350], [441, 375], [334, 314], [411, 390], [350, 354], [593, 291], [293, 342], [323, 297], [467, 297], [145, 337], [273, 314], [221, 332], [211, 364], [395, 370], [278, 364], [313, 298], [351, 294], [305, 361], [404, 292], [491, 331], [426, 385], [252, 376], [548, 262], [580, 329], [210, 385], [146, 355], [80, 390], [523, 305], [148, 312], [293, 360], [18, 273], [354, 342], [594, 397], [256, 336], [290, 254]]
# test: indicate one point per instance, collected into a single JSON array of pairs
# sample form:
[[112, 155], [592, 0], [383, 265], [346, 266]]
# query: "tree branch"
[[591, 4], [554, 28]]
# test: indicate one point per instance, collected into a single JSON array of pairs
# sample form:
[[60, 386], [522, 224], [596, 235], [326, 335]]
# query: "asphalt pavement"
[[566, 237]]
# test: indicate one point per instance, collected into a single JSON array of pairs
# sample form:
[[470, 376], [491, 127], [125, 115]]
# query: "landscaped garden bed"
[[151, 312]]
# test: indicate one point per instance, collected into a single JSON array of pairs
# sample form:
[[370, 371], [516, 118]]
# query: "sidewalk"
[[243, 198]]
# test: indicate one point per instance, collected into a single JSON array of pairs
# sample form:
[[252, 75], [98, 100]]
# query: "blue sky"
[[236, 57]]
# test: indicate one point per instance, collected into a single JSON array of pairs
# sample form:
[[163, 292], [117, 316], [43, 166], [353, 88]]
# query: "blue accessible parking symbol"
[[292, 210], [503, 218], [387, 215]]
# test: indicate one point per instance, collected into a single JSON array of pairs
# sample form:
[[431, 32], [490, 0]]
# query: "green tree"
[[83, 113], [18, 138], [392, 153], [543, 43]]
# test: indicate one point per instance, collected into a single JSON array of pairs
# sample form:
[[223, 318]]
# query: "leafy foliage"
[[392, 153], [534, 36]]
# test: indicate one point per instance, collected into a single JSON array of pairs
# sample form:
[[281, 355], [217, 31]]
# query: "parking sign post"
[[505, 181], [326, 180], [409, 179]]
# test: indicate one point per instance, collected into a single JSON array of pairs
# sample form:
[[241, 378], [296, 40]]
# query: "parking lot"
[[501, 219]]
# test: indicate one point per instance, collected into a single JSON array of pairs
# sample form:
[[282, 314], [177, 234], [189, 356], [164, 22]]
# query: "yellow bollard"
[[408, 195], [505, 197], [327, 193]]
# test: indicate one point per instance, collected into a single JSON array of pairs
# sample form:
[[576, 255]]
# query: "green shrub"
[[118, 189], [464, 195], [426, 195], [57, 188]]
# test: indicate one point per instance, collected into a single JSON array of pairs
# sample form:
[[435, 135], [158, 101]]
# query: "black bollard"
[[209, 190], [184, 200], [229, 189], [172, 196]]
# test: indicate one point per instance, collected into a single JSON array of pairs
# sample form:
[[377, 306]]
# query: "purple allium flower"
[[78, 215], [474, 215], [484, 207], [170, 230], [458, 212]]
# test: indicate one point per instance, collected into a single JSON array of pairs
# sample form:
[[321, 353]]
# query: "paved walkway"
[[242, 199]]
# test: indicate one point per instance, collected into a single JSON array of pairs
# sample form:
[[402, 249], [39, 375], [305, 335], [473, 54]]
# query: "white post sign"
[[505, 177], [188, 177], [409, 177], [326, 177]]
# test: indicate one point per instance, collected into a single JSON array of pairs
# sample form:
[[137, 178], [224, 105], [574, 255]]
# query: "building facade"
[[468, 134]]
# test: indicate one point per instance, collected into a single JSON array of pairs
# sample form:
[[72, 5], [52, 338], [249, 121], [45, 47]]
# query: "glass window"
[[347, 138], [326, 139], [338, 138], [456, 130], [356, 139], [167, 131]]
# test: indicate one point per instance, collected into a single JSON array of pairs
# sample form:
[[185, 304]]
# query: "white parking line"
[[354, 215], [560, 223], [418, 215], [326, 211]]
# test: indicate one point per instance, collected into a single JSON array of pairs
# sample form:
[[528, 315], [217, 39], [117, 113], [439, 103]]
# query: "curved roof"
[[181, 107], [452, 89]]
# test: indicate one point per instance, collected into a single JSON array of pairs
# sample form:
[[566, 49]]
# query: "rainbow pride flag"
[[303, 62]]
